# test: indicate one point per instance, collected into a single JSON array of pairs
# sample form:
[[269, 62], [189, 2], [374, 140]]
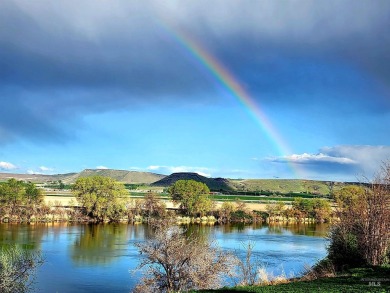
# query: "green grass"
[[224, 197], [283, 185], [250, 198], [356, 280]]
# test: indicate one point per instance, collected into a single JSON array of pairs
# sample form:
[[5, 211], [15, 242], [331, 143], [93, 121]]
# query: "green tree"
[[17, 267], [12, 194], [19, 199], [102, 197], [321, 209], [33, 195], [302, 206], [225, 211], [318, 208], [193, 196], [61, 185], [348, 196]]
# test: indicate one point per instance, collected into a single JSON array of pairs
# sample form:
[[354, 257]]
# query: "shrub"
[[241, 216], [343, 249], [17, 268], [152, 206], [362, 236], [176, 263], [225, 211]]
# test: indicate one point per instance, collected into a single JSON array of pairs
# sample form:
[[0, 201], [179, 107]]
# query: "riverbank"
[[71, 200], [67, 209], [376, 279]]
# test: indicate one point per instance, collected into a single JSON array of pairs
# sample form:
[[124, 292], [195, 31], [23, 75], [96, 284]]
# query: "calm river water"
[[98, 258]]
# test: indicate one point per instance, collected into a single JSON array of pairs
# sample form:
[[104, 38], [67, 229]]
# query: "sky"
[[236, 89]]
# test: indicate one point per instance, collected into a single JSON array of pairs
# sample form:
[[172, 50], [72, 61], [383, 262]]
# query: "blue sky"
[[87, 84]]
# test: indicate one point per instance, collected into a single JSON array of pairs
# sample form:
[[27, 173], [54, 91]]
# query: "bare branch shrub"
[[174, 262], [322, 269], [17, 268], [153, 206], [248, 269], [225, 211]]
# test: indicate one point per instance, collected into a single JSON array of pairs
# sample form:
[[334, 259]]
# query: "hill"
[[284, 185], [123, 175], [38, 178], [119, 175], [215, 184]]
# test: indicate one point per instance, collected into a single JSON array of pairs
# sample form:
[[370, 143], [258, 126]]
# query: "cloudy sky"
[[117, 84]]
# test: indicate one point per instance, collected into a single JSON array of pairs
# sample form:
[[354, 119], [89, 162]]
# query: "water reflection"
[[318, 230], [100, 244], [97, 258], [27, 235]]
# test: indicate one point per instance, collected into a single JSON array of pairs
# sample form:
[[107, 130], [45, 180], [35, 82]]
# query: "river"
[[101, 257]]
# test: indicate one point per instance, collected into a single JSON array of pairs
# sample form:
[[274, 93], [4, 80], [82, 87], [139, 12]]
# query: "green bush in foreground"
[[17, 268]]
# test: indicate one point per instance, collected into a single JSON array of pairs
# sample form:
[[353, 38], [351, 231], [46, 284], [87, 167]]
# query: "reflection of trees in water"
[[240, 227], [233, 228], [275, 229], [141, 231], [319, 230], [201, 232], [100, 243], [27, 235]]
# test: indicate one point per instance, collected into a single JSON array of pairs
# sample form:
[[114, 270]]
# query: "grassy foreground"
[[356, 280]]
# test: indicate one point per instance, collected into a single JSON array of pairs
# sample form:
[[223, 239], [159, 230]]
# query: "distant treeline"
[[133, 186], [273, 193]]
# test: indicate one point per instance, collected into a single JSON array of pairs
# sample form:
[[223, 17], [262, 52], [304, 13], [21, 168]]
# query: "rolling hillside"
[[215, 184], [119, 175], [284, 185], [38, 178], [123, 175]]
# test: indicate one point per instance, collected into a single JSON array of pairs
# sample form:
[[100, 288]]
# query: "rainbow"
[[232, 85]]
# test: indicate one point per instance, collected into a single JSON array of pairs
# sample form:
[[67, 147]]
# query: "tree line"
[[103, 199]]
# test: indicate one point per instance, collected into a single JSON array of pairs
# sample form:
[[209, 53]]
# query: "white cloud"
[[152, 168], [369, 157], [101, 167], [349, 162], [6, 166], [175, 169], [45, 169], [306, 158]]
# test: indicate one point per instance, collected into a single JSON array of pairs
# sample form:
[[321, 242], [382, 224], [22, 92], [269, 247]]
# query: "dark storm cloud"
[[66, 58]]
